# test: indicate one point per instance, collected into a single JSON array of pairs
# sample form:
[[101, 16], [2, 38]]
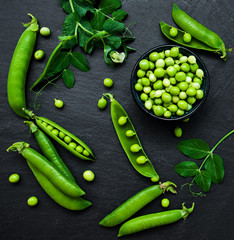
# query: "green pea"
[[160, 63], [174, 52], [154, 56], [199, 73], [140, 73], [32, 201], [167, 114], [138, 87], [149, 72], [187, 38], [158, 85], [39, 55], [183, 86], [199, 94], [72, 145], [135, 148], [171, 71], [166, 82], [175, 99], [45, 124], [79, 149], [197, 80], [183, 59], [145, 82], [191, 91], [180, 76], [194, 67], [148, 105], [182, 95], [191, 100], [147, 89], [102, 103], [141, 160], [151, 65], [130, 133], [55, 132], [159, 111], [182, 105], [122, 120], [159, 72], [86, 153], [178, 132], [108, 82], [158, 101], [172, 80], [144, 64], [49, 127], [174, 91], [192, 59], [167, 53], [173, 32], [14, 178], [185, 67], [45, 31], [166, 97], [162, 55], [152, 78], [190, 74], [173, 108], [177, 67], [165, 202], [180, 112], [186, 120], [62, 135], [67, 139], [88, 175], [143, 97]]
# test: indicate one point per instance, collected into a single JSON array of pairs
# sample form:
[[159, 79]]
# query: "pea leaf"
[[81, 7], [119, 15], [194, 148], [70, 24], [113, 41], [78, 61], [186, 168], [68, 78], [113, 27], [203, 180], [97, 20], [84, 33], [107, 50], [108, 6], [214, 165], [61, 62], [65, 5]]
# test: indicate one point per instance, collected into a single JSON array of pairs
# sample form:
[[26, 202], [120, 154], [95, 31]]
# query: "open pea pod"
[[58, 133], [131, 144], [195, 43]]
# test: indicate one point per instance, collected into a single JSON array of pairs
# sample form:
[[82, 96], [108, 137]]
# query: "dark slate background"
[[115, 180]]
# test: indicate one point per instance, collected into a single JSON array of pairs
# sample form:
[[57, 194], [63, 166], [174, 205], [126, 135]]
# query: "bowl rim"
[[199, 62]]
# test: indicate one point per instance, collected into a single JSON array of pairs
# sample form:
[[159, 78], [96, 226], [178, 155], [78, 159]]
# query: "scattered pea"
[[45, 31], [32, 201], [58, 103], [14, 178], [108, 82], [39, 55], [88, 175], [165, 202], [102, 103], [178, 132]]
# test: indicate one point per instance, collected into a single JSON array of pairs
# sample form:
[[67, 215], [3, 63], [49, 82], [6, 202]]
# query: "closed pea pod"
[[154, 220], [135, 203], [47, 169], [64, 138], [118, 112], [19, 67]]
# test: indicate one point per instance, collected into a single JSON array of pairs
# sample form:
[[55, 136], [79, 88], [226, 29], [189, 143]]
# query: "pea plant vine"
[[211, 169], [89, 24]]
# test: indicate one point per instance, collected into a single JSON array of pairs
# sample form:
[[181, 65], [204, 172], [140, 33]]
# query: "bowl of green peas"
[[170, 82]]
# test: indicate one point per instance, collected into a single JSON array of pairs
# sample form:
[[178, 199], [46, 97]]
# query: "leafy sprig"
[[211, 169]]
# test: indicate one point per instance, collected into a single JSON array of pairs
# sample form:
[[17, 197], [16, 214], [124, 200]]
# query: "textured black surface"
[[116, 180]]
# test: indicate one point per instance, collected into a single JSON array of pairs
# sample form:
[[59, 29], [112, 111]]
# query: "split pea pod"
[[19, 67], [135, 203], [58, 196], [130, 142], [198, 31], [63, 137], [49, 150], [154, 220], [48, 169]]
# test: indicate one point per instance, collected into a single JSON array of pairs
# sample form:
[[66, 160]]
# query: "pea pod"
[[154, 220], [48, 169], [165, 28], [19, 67], [135, 203], [132, 146], [58, 196], [43, 124], [49, 150], [198, 31]]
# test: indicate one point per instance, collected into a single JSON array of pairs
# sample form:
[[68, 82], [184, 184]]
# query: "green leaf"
[[68, 78], [69, 24], [78, 61], [113, 27], [97, 20], [113, 41], [119, 15], [61, 62], [65, 5], [108, 6], [203, 180], [125, 39], [107, 50], [186, 168], [81, 7], [214, 165], [84, 35], [194, 148]]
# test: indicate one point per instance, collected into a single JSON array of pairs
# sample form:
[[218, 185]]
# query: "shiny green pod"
[[47, 168], [75, 204], [198, 31], [49, 150], [19, 66], [122, 124], [154, 220], [135, 203], [43, 122]]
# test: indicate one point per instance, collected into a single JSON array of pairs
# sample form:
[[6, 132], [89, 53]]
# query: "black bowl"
[[186, 52]]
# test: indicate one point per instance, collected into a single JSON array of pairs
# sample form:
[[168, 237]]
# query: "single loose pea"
[[183, 59], [122, 120], [130, 133], [147, 89], [67, 139], [172, 80], [187, 38], [108, 82], [175, 99], [154, 56], [167, 53], [160, 63], [135, 148], [183, 86], [166, 97], [88, 175], [182, 95], [145, 82], [191, 100], [141, 160], [58, 103], [174, 91], [152, 78], [86, 153], [14, 178], [162, 55], [158, 85], [165, 202], [138, 87], [148, 105], [49, 127], [149, 72], [72, 145], [154, 179], [191, 91], [158, 101], [192, 59], [167, 114], [151, 65], [194, 67], [79, 149], [199, 94], [178, 132], [102, 103], [32, 201], [171, 71], [144, 97], [144, 64], [140, 73], [180, 76], [166, 82], [177, 67], [45, 31], [39, 55], [159, 72], [189, 107], [159, 111], [199, 73], [62, 135], [188, 79], [174, 52], [182, 105], [172, 108], [197, 80], [173, 32], [185, 67], [180, 112]]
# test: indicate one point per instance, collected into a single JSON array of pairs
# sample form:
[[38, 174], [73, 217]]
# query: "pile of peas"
[[169, 83], [66, 139]]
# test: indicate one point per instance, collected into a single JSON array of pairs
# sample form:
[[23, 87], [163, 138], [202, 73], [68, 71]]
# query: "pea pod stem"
[[154, 220]]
